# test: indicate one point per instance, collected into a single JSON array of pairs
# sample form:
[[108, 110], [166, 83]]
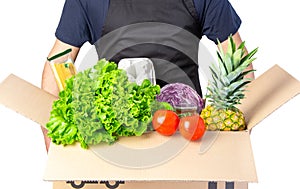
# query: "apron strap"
[[191, 8]]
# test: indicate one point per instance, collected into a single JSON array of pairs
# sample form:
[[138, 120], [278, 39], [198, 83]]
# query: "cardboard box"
[[218, 160]]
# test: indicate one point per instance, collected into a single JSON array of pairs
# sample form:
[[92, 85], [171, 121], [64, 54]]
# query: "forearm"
[[48, 79], [48, 84], [251, 74]]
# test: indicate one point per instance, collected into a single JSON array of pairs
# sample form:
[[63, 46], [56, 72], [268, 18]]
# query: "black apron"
[[166, 31]]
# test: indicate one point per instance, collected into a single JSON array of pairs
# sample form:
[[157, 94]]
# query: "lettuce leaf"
[[100, 105]]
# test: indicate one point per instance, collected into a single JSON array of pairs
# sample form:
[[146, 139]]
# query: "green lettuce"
[[100, 105], [61, 127]]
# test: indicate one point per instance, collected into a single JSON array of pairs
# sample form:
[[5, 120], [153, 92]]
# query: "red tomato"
[[165, 122], [192, 127]]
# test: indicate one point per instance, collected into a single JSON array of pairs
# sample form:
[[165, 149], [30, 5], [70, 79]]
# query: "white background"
[[27, 34]]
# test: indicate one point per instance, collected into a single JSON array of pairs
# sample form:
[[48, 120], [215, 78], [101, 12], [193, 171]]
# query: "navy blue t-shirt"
[[82, 20]]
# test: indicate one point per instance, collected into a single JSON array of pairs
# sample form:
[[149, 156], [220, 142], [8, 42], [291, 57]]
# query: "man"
[[158, 27]]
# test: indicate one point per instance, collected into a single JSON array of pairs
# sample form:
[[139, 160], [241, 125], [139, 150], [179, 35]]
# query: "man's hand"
[[48, 80]]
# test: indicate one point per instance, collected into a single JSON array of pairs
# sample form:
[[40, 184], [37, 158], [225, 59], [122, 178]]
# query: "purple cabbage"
[[180, 95]]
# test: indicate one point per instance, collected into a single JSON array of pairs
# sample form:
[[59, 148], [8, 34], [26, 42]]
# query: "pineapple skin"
[[222, 119]]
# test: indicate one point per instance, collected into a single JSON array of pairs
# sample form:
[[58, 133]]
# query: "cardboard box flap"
[[26, 99], [267, 93], [229, 159]]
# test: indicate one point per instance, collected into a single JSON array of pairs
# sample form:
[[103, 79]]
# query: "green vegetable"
[[100, 105], [61, 126], [157, 105]]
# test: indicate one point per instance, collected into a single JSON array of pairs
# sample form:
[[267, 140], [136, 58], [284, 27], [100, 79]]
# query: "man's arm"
[[48, 80], [237, 39]]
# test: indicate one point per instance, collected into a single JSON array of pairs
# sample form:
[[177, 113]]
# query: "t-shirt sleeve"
[[219, 19], [73, 27]]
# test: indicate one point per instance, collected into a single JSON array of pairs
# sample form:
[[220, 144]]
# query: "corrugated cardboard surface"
[[26, 99], [267, 93], [228, 158], [148, 185]]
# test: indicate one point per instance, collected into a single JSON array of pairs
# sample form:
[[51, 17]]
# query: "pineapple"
[[227, 88]]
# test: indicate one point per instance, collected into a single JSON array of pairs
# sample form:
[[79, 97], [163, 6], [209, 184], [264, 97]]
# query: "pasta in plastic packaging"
[[63, 67]]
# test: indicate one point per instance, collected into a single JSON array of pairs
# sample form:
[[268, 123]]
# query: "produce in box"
[[165, 122], [181, 96], [227, 88], [187, 104], [192, 127], [100, 105]]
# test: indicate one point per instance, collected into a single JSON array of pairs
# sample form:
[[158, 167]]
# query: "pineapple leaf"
[[214, 74], [235, 75], [231, 45], [246, 63], [234, 100], [235, 86], [236, 58], [242, 75], [249, 55], [240, 87], [215, 84], [222, 81], [242, 46], [232, 77], [220, 48], [237, 96], [228, 63], [222, 66], [214, 94], [218, 75]]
